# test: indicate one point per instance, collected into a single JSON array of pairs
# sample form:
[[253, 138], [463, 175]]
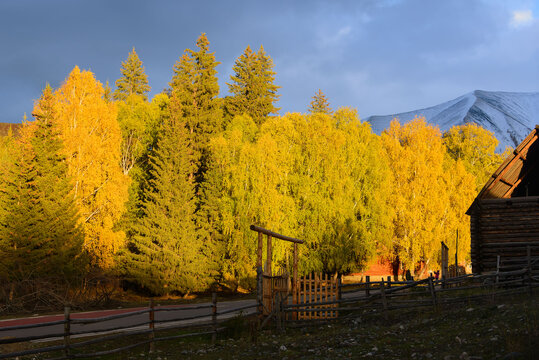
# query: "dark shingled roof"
[[513, 171]]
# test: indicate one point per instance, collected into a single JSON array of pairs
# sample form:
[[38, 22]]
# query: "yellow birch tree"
[[92, 140], [419, 197]]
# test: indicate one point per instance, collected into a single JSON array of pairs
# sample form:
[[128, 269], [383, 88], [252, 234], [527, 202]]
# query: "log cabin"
[[504, 217]]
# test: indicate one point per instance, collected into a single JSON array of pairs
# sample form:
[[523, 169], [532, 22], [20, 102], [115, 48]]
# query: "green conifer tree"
[[42, 235], [320, 104], [164, 252], [134, 80], [252, 86], [107, 94], [195, 89]]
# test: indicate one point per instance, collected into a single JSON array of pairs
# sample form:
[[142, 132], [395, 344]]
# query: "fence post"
[[283, 309], [529, 256], [339, 294], [279, 300], [443, 281], [259, 290], [152, 326], [530, 279], [497, 268], [368, 286], [432, 292], [384, 299], [214, 316], [389, 282], [67, 332]]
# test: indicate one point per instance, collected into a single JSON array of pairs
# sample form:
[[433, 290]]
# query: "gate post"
[[259, 280], [259, 291], [295, 281]]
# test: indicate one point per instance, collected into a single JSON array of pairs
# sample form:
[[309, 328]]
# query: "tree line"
[[162, 192]]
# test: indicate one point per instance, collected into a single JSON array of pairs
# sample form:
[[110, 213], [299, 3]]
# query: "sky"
[[380, 57]]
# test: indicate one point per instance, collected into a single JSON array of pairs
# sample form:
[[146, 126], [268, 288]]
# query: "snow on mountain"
[[509, 115]]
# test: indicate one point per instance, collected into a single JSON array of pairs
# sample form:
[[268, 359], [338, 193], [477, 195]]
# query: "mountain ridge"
[[509, 115]]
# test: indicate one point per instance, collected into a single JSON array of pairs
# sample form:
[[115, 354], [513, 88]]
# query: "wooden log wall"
[[505, 228]]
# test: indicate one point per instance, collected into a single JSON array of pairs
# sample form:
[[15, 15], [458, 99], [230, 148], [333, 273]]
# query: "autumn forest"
[[161, 192]]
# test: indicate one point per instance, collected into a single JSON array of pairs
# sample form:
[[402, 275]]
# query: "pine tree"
[[107, 95], [164, 253], [133, 80], [42, 234], [195, 89], [252, 86], [320, 104]]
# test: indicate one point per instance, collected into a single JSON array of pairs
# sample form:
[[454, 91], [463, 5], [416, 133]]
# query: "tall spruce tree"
[[252, 86], [195, 89], [133, 80], [320, 104], [8, 154], [164, 253], [42, 235]]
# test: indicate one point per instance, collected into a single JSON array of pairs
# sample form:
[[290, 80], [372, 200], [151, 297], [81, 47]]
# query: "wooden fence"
[[319, 298], [70, 342], [384, 296], [317, 288]]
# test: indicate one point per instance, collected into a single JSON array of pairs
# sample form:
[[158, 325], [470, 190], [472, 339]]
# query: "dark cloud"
[[378, 56]]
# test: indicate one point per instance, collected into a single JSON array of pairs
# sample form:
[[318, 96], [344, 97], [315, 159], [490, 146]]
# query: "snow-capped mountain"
[[509, 115]]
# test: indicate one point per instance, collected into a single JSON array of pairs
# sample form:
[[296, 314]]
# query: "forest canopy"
[[162, 191]]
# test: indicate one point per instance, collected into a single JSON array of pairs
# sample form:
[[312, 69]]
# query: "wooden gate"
[[275, 288], [272, 286], [317, 288]]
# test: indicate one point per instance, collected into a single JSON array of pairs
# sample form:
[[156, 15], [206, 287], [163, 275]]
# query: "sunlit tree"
[[41, 235], [195, 89], [252, 86], [319, 104], [476, 148], [164, 252], [134, 80], [416, 156], [92, 140]]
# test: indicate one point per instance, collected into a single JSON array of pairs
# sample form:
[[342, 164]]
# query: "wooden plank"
[[308, 294], [326, 298], [275, 235], [269, 256], [501, 237], [316, 283], [259, 251]]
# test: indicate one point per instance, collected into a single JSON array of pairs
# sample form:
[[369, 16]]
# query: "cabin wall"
[[504, 227], [475, 244]]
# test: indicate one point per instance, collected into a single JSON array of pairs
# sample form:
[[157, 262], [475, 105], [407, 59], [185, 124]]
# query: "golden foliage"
[[92, 140], [431, 193]]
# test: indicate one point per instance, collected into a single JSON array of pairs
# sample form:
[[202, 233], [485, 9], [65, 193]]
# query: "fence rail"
[[381, 296], [208, 324], [427, 292]]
